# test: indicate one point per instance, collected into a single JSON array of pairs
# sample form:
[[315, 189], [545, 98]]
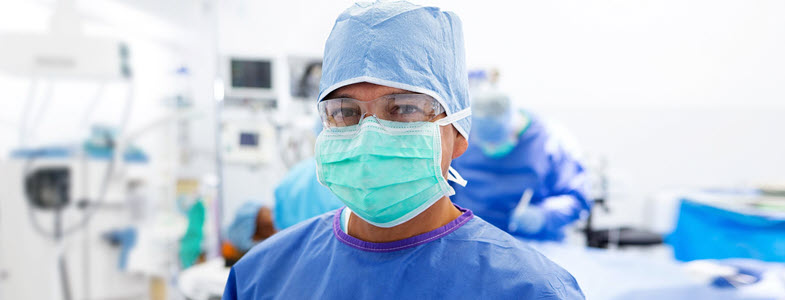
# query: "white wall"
[[631, 53]]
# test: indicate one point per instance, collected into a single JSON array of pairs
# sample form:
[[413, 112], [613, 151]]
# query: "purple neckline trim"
[[404, 243]]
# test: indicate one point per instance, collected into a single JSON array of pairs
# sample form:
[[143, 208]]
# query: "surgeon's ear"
[[460, 145]]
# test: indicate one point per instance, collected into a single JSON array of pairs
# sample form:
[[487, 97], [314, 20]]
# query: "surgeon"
[[521, 178], [393, 98]]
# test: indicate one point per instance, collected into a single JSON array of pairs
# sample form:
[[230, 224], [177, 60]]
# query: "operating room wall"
[[673, 93]]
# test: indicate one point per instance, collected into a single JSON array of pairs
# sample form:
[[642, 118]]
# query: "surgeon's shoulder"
[[544, 276], [290, 240], [480, 231]]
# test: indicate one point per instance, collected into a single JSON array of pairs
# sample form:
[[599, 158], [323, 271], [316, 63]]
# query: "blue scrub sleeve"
[[230, 291], [567, 179]]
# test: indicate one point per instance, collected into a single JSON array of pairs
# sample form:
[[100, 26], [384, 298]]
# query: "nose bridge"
[[364, 115], [366, 124], [372, 108]]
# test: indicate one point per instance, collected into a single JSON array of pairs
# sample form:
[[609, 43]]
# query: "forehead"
[[365, 91]]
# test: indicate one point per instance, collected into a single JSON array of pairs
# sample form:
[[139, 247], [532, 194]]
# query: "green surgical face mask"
[[385, 172]]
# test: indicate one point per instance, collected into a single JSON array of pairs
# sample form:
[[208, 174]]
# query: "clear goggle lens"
[[342, 112]]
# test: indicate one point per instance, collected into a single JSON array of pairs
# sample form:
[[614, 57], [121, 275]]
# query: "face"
[[453, 143]]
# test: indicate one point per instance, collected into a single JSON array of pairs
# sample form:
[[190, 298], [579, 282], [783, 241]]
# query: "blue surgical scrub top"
[[465, 259]]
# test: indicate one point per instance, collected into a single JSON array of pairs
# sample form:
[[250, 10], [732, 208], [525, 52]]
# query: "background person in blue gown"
[[521, 178]]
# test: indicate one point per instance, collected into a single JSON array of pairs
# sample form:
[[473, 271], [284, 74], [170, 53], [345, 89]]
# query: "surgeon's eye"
[[405, 110], [406, 113], [344, 113]]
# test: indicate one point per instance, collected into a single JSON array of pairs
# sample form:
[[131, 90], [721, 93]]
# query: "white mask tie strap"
[[453, 175], [454, 117]]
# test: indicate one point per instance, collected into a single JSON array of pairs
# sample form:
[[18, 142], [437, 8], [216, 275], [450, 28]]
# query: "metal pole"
[[64, 284]]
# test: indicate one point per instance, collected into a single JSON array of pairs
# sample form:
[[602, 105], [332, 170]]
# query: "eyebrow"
[[338, 96], [344, 95]]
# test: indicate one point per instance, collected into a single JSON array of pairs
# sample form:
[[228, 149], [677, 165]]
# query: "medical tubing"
[[118, 149], [88, 113], [26, 111], [42, 108], [90, 210]]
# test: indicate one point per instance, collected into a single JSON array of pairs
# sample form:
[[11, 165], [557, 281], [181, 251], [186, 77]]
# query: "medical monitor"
[[250, 78]]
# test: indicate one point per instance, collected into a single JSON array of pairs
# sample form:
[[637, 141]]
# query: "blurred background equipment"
[[304, 76], [48, 188], [622, 236], [54, 177], [250, 142]]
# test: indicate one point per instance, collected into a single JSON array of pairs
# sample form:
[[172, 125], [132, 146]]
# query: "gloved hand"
[[528, 220], [546, 219]]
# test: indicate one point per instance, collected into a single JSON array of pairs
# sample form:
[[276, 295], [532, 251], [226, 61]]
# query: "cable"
[[32, 129], [26, 111], [91, 209], [85, 187], [92, 105]]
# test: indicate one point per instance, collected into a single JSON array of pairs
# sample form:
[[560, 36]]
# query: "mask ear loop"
[[452, 174]]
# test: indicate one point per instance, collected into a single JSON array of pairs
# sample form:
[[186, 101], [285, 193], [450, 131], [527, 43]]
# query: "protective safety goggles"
[[342, 112]]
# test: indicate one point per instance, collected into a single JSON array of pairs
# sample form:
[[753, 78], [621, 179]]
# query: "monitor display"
[[249, 139], [251, 73]]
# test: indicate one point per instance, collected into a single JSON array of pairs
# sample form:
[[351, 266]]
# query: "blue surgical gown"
[[300, 196], [465, 259], [496, 185]]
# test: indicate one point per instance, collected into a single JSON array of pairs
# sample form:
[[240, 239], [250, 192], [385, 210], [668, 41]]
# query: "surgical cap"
[[242, 229], [490, 103], [400, 45]]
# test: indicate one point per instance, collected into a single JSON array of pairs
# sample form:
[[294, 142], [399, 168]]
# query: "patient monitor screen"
[[248, 139], [251, 73]]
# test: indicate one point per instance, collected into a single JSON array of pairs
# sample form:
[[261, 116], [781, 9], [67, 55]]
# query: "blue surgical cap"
[[400, 45], [242, 229]]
